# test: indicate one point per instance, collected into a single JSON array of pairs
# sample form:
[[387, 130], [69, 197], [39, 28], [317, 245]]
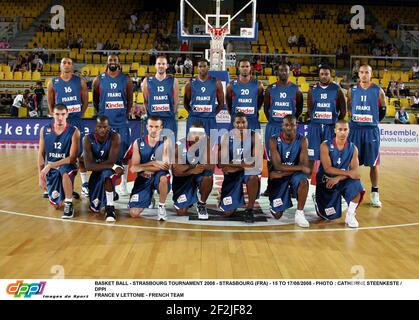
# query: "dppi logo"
[[27, 290]]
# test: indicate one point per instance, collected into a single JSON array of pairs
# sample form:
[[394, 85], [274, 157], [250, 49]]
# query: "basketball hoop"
[[217, 47]]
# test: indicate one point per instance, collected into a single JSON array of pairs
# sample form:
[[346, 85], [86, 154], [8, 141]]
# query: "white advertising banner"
[[399, 139]]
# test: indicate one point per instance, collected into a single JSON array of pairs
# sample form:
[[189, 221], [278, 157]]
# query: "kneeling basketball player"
[[101, 152], [289, 171], [338, 176], [150, 160], [240, 158]]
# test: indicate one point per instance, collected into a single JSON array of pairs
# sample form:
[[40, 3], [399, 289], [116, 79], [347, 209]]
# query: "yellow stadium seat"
[[17, 75], [182, 114], [102, 69], [22, 112], [6, 69], [94, 72], [135, 66], [89, 113], [27, 76], [1, 75], [304, 87], [140, 98], [262, 116], [142, 71], [412, 118], [268, 71], [125, 68], [36, 76], [55, 67], [404, 102], [151, 69], [271, 79], [391, 111]]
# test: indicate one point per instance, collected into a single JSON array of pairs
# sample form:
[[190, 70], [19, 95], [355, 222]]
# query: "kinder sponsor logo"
[[74, 108], [182, 198], [160, 108], [323, 115], [277, 202], [227, 201], [202, 108], [21, 289], [114, 105], [281, 113], [330, 211], [367, 118], [246, 110]]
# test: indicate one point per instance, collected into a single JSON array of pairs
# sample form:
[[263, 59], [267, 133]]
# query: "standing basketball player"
[[101, 151], [112, 97], [338, 177], [57, 156], [289, 171], [193, 172], [150, 159], [367, 105], [204, 98], [242, 148], [245, 94], [281, 99], [326, 104], [71, 90], [161, 95]]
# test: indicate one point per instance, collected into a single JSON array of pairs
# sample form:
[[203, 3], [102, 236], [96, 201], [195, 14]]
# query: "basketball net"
[[217, 52]]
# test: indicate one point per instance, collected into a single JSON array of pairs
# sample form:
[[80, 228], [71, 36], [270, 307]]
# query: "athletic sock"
[[109, 198], [299, 212], [374, 189], [83, 176], [68, 200], [161, 205], [352, 207], [125, 175]]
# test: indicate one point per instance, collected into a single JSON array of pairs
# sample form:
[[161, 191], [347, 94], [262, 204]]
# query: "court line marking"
[[207, 230]]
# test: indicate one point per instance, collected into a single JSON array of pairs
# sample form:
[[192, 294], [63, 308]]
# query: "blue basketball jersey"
[[69, 94], [289, 152], [283, 101], [160, 97], [340, 159], [239, 149], [204, 97], [325, 110], [365, 105], [113, 99], [245, 99], [100, 150], [185, 156], [147, 152], [57, 147]]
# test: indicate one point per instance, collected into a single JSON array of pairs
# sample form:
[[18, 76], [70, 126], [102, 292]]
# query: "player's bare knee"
[[182, 212], [135, 212]]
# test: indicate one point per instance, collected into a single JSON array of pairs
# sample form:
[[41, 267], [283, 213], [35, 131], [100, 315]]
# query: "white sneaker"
[[123, 191], [375, 200], [301, 221], [202, 211], [161, 214], [152, 204], [351, 221]]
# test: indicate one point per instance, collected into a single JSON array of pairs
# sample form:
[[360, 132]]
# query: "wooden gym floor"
[[34, 240]]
